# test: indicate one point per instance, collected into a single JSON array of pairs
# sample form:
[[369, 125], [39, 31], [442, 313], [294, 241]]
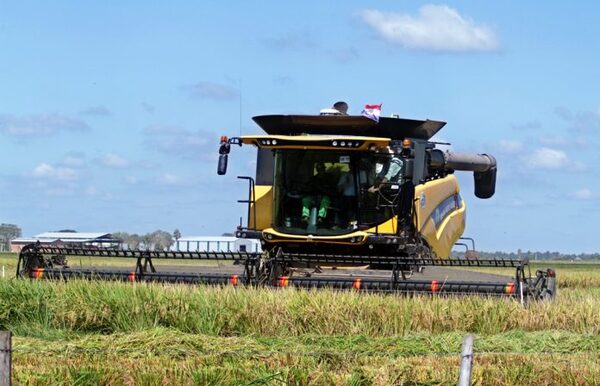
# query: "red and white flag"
[[372, 112]]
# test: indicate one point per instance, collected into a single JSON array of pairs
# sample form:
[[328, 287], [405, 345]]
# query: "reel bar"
[[418, 261], [285, 257], [122, 253], [350, 283]]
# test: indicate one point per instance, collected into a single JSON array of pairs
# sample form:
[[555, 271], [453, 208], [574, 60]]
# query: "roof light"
[[334, 143], [274, 142], [343, 143], [406, 143]]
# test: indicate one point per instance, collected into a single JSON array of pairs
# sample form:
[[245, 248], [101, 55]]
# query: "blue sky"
[[110, 113]]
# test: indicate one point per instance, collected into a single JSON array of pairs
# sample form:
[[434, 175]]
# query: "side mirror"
[[223, 152], [222, 167]]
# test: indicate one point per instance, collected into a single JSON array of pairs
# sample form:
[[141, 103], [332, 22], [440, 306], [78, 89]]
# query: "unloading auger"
[[338, 201]]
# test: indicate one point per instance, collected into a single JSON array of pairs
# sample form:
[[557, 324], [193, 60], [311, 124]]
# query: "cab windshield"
[[325, 192]]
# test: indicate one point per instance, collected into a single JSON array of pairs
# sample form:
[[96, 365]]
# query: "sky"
[[111, 112]]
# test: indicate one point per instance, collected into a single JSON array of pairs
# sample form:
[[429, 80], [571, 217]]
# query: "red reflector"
[[551, 273], [283, 281], [131, 276], [38, 273], [234, 280], [356, 284], [435, 286], [510, 288]]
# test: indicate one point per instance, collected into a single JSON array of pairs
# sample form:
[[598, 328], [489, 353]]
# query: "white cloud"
[[169, 179], [45, 170], [516, 203], [555, 140], [73, 160], [580, 122], [174, 140], [510, 146], [132, 180], [292, 41], [112, 160], [547, 158], [345, 55], [583, 194], [39, 125], [92, 191], [436, 28], [164, 130], [101, 111], [531, 125], [578, 166]]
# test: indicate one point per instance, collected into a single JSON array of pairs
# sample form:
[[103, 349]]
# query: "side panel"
[[263, 191], [440, 214], [264, 207], [387, 227]]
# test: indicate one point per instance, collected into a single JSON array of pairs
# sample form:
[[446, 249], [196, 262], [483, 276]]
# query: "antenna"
[[240, 87]]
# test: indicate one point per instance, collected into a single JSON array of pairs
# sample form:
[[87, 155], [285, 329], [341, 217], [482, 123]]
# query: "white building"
[[216, 244], [87, 239]]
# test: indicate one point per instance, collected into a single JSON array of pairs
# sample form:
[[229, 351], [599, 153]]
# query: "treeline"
[[533, 255], [158, 240]]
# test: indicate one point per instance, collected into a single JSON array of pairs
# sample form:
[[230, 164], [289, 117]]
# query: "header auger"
[[346, 202]]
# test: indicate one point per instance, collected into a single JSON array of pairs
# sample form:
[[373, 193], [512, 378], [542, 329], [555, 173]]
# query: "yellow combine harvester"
[[340, 201], [346, 191]]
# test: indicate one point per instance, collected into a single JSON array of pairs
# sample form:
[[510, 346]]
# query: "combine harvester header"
[[346, 202]]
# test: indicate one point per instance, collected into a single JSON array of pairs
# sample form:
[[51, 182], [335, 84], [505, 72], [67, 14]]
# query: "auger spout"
[[483, 167]]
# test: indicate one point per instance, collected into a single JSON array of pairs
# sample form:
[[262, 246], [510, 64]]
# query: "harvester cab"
[[349, 185]]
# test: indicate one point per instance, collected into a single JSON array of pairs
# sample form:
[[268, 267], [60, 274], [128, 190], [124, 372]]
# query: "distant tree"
[[132, 241], [67, 231], [227, 234], [120, 235], [161, 240], [158, 240], [8, 232], [176, 234]]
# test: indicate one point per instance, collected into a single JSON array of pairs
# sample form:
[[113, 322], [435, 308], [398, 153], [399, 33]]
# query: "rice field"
[[89, 333]]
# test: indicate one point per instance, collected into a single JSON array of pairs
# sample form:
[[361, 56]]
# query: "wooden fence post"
[[466, 361], [5, 357]]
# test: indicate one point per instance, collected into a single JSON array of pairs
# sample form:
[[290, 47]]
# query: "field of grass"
[[122, 333]]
